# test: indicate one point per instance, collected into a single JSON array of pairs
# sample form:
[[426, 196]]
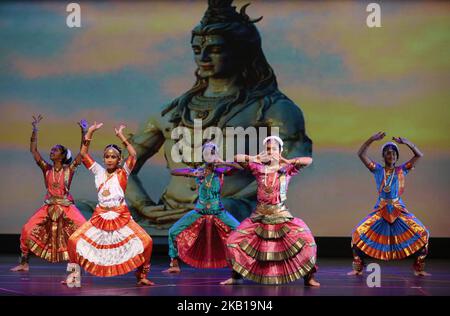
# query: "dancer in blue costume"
[[199, 237], [390, 231]]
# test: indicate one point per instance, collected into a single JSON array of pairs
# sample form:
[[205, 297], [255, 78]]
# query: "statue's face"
[[213, 57]]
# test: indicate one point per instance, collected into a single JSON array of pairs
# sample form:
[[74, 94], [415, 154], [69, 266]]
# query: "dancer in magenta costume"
[[272, 246]]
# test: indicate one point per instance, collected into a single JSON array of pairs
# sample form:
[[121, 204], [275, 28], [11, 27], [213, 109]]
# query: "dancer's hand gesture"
[[83, 124], [400, 140], [263, 157], [277, 156], [36, 121], [119, 131], [94, 127], [378, 136], [198, 173], [218, 160]]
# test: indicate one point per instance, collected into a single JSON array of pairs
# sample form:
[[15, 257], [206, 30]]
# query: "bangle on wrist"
[[86, 141]]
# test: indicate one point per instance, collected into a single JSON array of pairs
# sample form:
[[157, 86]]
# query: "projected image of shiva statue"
[[234, 87]]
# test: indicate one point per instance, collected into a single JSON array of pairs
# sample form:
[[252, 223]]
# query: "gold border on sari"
[[113, 270], [52, 234], [264, 279], [47, 254], [293, 250], [272, 234]]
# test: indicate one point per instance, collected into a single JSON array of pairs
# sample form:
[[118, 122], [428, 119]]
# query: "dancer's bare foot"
[[173, 270], [21, 267], [232, 281], [312, 282], [421, 273], [354, 272], [72, 280], [145, 282], [174, 266]]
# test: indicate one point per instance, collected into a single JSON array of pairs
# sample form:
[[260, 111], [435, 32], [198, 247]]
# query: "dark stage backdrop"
[[128, 59]]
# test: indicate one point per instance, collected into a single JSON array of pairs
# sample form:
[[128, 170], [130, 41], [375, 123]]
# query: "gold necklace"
[[269, 190], [55, 183], [106, 191], [387, 187], [208, 184]]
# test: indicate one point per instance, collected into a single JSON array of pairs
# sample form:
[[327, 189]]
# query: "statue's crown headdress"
[[222, 11]]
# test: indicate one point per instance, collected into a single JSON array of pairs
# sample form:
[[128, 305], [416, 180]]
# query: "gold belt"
[[58, 201], [112, 208], [389, 201], [270, 209]]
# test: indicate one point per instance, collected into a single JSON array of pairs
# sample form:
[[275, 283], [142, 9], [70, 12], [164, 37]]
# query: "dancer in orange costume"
[[47, 232]]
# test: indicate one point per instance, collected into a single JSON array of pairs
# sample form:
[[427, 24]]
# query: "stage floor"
[[396, 279]]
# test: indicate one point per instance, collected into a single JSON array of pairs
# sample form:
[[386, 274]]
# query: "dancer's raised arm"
[[84, 127], [88, 137], [33, 141], [417, 153], [125, 142], [362, 152]]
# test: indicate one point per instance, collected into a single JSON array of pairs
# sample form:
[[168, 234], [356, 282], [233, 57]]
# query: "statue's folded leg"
[[86, 207], [159, 213], [240, 208]]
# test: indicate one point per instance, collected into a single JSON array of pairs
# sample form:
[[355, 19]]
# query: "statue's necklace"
[[208, 109]]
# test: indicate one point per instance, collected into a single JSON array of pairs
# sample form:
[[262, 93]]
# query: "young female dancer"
[[390, 232], [47, 232], [199, 237], [111, 243], [272, 246]]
